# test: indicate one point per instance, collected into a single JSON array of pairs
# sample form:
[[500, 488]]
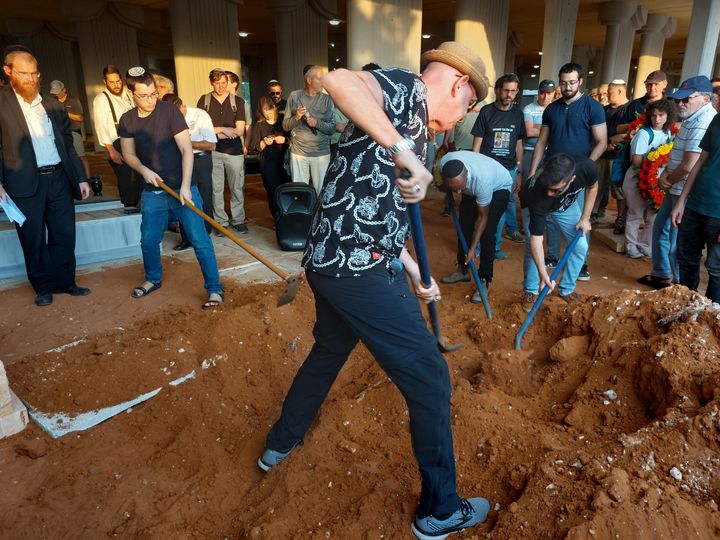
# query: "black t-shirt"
[[154, 141], [614, 116], [222, 115], [500, 131], [262, 129], [534, 197]]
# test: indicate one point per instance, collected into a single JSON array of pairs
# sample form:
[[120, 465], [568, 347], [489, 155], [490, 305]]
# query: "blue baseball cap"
[[694, 84]]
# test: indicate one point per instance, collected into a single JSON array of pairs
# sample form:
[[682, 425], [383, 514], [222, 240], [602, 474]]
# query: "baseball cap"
[[56, 87], [546, 86], [694, 84], [656, 76]]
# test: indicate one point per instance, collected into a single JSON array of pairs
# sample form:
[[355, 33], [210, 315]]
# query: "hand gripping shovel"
[[545, 290], [292, 281], [480, 287], [422, 259]]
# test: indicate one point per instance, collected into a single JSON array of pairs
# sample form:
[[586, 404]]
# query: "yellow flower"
[[665, 148], [652, 156]]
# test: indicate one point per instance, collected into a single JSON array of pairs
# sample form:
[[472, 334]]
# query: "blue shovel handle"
[[545, 290], [480, 287]]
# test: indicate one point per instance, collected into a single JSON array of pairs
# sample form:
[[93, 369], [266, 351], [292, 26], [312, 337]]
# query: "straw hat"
[[462, 58]]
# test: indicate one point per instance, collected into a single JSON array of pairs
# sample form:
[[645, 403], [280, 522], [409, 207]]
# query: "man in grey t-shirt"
[[310, 117]]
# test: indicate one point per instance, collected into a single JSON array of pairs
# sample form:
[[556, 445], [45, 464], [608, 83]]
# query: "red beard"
[[27, 90]]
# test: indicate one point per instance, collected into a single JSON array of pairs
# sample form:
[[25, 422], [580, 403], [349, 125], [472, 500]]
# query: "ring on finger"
[[416, 187], [437, 298]]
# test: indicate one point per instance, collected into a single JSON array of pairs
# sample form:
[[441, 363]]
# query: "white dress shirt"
[[105, 128], [200, 125], [41, 131]]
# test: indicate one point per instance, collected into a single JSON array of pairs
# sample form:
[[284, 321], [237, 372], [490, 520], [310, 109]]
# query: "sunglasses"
[[275, 93], [686, 100]]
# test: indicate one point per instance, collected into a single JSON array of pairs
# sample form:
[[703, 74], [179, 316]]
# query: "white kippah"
[[136, 71]]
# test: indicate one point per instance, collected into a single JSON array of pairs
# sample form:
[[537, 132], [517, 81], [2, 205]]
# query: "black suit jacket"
[[18, 166]]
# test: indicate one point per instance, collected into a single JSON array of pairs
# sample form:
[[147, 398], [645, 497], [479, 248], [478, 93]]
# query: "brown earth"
[[534, 431]]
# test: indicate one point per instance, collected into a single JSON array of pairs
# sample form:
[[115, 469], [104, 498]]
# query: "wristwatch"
[[403, 144]]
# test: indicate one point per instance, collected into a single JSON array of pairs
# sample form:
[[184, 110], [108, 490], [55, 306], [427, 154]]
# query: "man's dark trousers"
[[696, 232], [385, 315], [50, 263], [468, 216]]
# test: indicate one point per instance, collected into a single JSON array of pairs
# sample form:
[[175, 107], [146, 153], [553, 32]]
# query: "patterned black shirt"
[[361, 221]]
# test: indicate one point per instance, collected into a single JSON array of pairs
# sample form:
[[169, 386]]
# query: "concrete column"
[[515, 40], [388, 33], [621, 19], [483, 26], [657, 29], [702, 39], [584, 55], [205, 36], [301, 35], [558, 36]]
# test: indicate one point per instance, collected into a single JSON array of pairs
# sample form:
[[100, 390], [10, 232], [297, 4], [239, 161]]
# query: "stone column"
[[558, 36], [301, 39], [483, 26], [515, 40], [205, 36], [621, 19], [657, 29], [702, 39], [388, 33], [584, 55]]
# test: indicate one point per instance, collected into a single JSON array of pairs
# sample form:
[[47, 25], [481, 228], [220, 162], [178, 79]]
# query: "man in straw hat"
[[355, 258]]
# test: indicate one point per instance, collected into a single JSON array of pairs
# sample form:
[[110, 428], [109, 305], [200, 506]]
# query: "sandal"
[[140, 291], [654, 282], [213, 303]]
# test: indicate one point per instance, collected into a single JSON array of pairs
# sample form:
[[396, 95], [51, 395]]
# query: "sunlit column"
[[558, 36], [702, 39], [658, 28], [621, 20]]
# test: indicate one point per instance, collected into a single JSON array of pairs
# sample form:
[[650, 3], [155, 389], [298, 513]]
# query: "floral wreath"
[[647, 173]]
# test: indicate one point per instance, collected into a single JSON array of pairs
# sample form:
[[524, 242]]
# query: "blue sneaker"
[[470, 513], [271, 458], [500, 255]]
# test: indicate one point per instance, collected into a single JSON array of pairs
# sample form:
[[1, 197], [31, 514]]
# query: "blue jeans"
[[397, 336], [508, 218], [156, 206], [565, 222], [696, 232], [664, 242]]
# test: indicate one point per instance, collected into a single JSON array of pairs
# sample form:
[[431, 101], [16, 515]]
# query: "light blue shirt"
[[485, 175]]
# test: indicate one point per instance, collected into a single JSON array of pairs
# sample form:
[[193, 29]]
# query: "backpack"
[[206, 104]]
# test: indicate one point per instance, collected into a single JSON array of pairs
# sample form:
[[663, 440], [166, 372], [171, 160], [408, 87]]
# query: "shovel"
[[292, 281], [480, 287], [545, 290], [422, 259]]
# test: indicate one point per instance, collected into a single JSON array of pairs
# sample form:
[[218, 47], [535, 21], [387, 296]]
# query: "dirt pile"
[[607, 424]]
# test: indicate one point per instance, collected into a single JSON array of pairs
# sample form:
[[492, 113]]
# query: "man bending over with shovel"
[[155, 142], [563, 192], [354, 264], [485, 187]]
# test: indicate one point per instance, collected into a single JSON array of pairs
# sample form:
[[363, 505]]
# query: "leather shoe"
[[43, 299], [182, 246], [74, 291]]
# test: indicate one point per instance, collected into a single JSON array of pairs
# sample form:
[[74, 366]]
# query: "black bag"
[[295, 205]]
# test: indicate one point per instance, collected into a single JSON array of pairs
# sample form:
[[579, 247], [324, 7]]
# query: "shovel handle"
[[223, 230], [422, 260]]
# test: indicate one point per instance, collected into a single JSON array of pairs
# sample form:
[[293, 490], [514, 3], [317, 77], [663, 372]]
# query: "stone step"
[[13, 417]]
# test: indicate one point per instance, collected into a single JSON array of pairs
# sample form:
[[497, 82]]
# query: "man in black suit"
[[40, 170]]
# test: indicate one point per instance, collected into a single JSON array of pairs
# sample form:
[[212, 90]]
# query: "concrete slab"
[[13, 418], [616, 242]]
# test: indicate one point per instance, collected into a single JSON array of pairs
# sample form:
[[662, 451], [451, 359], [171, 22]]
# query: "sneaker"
[[619, 227], [456, 277], [476, 298], [471, 512], [528, 301], [644, 251], [632, 251], [239, 227], [272, 458], [517, 236], [219, 234], [550, 262], [572, 298], [182, 246], [500, 255], [584, 274], [594, 219]]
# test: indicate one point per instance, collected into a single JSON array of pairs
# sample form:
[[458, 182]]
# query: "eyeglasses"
[[569, 83], [275, 93], [148, 97], [686, 100], [557, 191], [27, 74]]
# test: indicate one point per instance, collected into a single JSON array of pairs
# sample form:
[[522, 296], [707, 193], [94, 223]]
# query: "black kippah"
[[452, 168]]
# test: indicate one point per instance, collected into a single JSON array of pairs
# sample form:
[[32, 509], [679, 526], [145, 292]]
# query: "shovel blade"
[[290, 290], [446, 347]]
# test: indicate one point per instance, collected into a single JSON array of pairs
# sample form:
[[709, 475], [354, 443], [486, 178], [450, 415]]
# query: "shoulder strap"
[[650, 133], [112, 109], [233, 106], [206, 105]]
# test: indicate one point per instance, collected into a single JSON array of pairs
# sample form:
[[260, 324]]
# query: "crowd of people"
[[559, 157]]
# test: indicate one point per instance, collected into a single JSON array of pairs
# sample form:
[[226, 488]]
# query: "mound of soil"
[[605, 426]]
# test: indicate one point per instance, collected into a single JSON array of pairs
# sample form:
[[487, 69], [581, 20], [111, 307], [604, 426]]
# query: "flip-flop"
[[214, 303], [144, 291], [654, 282]]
